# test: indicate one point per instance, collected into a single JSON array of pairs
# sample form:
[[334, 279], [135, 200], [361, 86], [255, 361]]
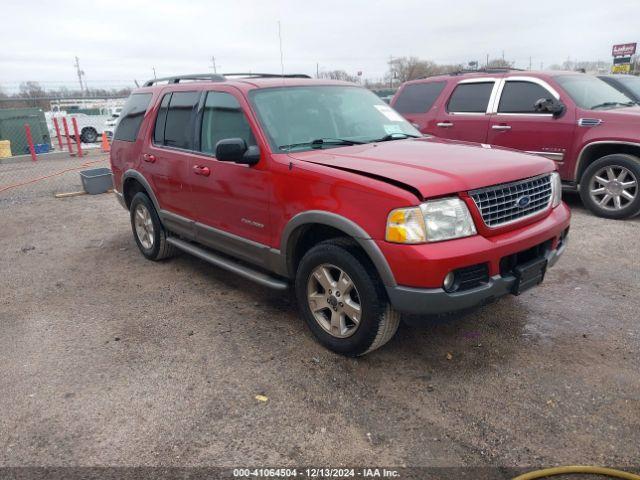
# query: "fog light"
[[449, 281]]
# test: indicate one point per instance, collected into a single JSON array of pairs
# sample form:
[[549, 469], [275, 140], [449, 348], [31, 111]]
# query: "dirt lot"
[[109, 359]]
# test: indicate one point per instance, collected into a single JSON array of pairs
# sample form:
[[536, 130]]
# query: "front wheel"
[[88, 135], [609, 186], [343, 301]]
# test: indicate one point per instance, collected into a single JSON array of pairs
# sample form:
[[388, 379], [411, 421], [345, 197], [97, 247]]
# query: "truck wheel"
[[609, 186], [88, 135], [343, 301], [150, 235]]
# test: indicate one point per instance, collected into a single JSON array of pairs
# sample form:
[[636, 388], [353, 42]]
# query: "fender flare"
[[349, 227], [584, 149], [131, 173]]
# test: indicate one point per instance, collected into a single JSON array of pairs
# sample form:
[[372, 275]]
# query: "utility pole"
[[529, 62], [390, 71], [486, 65], [317, 69], [154, 72], [213, 64], [80, 74]]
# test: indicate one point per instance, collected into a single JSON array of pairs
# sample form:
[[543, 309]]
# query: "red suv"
[[321, 184], [590, 129]]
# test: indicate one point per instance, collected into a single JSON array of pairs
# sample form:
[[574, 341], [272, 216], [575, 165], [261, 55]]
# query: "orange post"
[[32, 149], [105, 143], [55, 123], [75, 131], [66, 134]]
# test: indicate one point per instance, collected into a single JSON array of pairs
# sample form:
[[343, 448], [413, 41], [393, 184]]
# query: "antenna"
[[213, 64], [280, 39]]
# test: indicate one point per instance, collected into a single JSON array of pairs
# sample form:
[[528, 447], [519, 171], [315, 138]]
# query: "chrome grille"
[[505, 203]]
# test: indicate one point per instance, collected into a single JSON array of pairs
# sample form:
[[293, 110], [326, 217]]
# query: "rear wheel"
[[148, 232], [343, 301], [609, 186]]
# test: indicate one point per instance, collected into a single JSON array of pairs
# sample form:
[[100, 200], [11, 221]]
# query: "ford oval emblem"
[[523, 201]]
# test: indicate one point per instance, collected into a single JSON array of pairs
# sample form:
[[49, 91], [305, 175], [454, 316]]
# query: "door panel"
[[517, 125], [232, 198], [464, 116]]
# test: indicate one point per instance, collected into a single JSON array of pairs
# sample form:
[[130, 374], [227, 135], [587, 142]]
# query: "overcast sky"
[[119, 41]]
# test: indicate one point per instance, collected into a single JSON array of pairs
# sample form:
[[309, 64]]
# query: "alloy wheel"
[[613, 187], [334, 301], [144, 226]]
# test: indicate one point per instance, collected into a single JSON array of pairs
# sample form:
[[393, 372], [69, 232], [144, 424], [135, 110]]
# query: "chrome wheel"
[[144, 226], [334, 301], [613, 187]]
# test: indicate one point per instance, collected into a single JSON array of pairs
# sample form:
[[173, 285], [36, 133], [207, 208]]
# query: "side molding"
[[345, 225]]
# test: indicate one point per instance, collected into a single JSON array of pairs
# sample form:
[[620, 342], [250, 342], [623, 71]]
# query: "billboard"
[[622, 68], [624, 49]]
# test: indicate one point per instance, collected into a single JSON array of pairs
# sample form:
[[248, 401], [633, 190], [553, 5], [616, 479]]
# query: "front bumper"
[[433, 301]]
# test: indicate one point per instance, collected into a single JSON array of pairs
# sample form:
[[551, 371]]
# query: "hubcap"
[[334, 301], [613, 187], [144, 226]]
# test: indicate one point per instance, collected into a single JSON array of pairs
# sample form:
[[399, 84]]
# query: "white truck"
[[90, 127]]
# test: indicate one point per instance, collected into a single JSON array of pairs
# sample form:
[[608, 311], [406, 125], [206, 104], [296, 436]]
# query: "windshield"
[[305, 118], [592, 93], [632, 83]]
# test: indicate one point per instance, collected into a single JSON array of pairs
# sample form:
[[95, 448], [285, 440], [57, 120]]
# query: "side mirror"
[[549, 105], [236, 150]]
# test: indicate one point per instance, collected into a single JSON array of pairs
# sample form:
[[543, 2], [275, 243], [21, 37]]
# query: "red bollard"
[[75, 131], [66, 134], [55, 124], [32, 149]]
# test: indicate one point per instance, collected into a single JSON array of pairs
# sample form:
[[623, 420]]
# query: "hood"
[[430, 166], [615, 115]]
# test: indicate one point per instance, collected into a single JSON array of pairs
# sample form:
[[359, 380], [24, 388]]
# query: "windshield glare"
[[293, 117], [591, 92], [632, 83]]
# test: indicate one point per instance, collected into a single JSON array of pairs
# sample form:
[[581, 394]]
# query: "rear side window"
[[179, 124], [418, 97], [131, 117], [470, 97], [520, 97], [223, 118]]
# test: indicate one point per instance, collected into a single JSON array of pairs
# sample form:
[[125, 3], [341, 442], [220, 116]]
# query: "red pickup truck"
[[320, 184], [587, 127]]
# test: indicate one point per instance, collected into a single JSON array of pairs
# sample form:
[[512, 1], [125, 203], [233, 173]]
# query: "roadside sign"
[[621, 60], [624, 49], [621, 68]]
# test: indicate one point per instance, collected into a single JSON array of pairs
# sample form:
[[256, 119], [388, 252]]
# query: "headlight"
[[433, 221], [556, 189]]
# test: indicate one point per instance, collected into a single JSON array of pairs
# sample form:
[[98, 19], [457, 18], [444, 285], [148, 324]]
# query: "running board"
[[235, 267]]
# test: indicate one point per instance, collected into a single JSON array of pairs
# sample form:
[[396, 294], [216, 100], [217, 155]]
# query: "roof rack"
[[212, 77], [215, 77], [267, 75], [486, 70]]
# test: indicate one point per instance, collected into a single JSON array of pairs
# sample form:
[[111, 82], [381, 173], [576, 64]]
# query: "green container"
[[12, 122]]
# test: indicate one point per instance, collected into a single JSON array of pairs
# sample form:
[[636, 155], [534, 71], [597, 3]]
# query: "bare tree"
[[339, 75]]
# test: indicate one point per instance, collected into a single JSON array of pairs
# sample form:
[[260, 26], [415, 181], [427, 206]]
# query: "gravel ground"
[[109, 359]]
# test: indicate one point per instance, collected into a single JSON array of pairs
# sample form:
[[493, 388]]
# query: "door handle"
[[201, 170], [147, 157], [444, 124], [501, 127]]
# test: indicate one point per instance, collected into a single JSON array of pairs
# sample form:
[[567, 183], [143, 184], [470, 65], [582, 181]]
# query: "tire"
[[619, 176], [378, 321], [88, 135], [153, 245]]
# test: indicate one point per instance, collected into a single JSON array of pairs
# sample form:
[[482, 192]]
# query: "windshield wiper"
[[394, 136], [612, 104], [319, 142]]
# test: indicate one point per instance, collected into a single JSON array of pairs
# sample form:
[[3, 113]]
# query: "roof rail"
[[212, 77], [267, 75], [487, 70], [216, 77]]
